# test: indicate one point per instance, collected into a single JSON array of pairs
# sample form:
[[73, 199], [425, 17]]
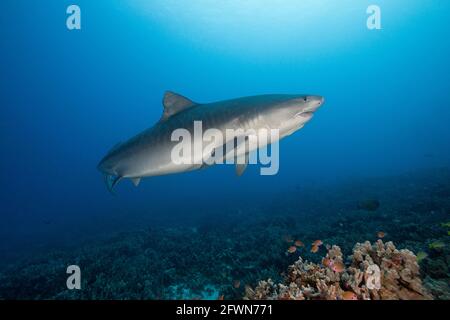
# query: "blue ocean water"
[[68, 96]]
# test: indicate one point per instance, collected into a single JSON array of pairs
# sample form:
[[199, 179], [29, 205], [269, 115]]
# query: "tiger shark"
[[150, 153]]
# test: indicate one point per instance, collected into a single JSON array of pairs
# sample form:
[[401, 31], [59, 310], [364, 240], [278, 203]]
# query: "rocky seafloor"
[[233, 255]]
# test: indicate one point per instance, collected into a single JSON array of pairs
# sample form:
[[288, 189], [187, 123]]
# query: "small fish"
[[314, 249], [421, 255], [236, 284], [338, 266], [292, 249], [381, 234], [298, 243], [348, 295], [317, 243], [327, 262], [436, 245]]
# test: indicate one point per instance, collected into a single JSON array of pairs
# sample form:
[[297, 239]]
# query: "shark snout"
[[321, 100], [106, 166], [315, 102]]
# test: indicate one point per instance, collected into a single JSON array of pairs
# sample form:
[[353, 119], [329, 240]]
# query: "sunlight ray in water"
[[262, 27]]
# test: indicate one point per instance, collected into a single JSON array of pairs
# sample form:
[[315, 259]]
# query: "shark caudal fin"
[[111, 182]]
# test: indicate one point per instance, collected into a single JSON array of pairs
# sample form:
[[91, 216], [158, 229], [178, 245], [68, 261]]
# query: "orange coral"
[[396, 275]]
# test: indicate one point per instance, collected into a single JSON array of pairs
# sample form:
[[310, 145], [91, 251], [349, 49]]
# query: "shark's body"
[[150, 152]]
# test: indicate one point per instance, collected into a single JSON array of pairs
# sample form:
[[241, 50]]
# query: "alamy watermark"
[[235, 146], [374, 19], [74, 280], [73, 21], [373, 277]]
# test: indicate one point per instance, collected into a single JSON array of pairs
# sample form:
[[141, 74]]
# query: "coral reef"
[[378, 272], [224, 253]]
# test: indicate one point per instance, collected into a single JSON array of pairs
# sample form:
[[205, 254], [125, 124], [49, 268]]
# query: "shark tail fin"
[[111, 182]]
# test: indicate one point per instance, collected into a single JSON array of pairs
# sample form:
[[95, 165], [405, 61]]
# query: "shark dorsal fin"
[[174, 103]]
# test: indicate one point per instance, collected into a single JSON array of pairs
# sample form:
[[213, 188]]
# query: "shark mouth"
[[305, 114]]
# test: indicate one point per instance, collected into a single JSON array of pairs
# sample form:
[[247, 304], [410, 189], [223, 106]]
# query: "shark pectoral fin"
[[136, 181], [240, 167], [111, 182]]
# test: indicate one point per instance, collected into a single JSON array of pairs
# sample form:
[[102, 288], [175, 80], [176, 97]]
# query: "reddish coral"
[[377, 271]]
